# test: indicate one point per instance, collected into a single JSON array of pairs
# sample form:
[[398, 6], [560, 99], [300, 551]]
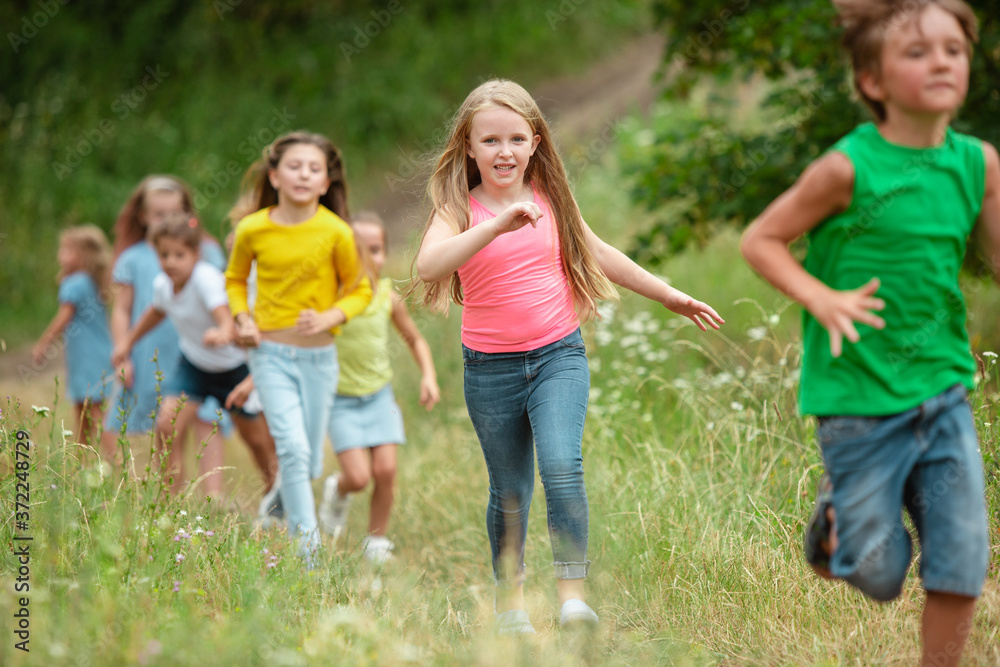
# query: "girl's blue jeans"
[[297, 387], [521, 403]]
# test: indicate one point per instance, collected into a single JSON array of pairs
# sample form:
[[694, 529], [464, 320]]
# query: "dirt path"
[[579, 107]]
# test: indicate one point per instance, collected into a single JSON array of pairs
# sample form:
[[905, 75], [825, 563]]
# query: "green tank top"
[[907, 224], [363, 346]]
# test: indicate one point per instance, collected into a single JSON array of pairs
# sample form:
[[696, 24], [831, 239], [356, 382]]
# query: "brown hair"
[[456, 174], [130, 227], [95, 254], [181, 227], [258, 192], [866, 23]]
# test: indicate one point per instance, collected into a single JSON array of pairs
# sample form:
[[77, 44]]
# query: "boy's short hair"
[[867, 21], [181, 227]]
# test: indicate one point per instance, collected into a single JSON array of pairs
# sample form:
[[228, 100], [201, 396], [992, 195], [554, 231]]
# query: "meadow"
[[700, 478]]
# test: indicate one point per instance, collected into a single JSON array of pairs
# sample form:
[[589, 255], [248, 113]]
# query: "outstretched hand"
[[516, 216], [838, 310], [700, 313]]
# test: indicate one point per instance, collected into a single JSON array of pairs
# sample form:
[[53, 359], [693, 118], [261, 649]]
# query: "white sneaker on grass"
[[333, 508], [378, 548], [577, 613], [513, 622]]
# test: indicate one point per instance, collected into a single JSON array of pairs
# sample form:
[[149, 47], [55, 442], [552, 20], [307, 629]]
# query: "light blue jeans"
[[297, 387], [521, 403]]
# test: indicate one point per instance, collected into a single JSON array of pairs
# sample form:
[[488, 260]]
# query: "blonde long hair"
[[95, 254], [456, 174]]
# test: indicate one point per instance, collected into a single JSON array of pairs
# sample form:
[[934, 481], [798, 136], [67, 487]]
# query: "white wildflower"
[[736, 405], [41, 410], [756, 333]]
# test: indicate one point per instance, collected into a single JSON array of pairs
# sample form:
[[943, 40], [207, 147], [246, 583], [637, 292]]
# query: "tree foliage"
[[727, 171]]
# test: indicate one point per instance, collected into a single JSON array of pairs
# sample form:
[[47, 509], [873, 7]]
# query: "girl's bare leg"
[[384, 473]]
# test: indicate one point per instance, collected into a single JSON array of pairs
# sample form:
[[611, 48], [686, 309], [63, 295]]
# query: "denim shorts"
[[366, 421], [927, 461], [199, 385]]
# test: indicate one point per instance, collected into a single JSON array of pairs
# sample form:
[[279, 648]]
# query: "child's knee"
[[354, 480], [384, 473]]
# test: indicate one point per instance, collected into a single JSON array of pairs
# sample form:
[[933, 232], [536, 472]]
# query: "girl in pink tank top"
[[506, 240]]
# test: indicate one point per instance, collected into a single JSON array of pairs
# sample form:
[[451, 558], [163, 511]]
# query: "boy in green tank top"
[[887, 212]]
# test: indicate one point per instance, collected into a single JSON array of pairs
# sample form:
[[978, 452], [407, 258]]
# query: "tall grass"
[[700, 477]]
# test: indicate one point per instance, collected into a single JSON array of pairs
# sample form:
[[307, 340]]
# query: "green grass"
[[700, 477]]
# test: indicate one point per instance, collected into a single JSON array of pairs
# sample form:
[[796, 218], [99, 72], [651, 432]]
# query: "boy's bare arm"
[[824, 189], [989, 217]]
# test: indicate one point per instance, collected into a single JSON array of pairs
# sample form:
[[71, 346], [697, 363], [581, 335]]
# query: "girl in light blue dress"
[[82, 322]]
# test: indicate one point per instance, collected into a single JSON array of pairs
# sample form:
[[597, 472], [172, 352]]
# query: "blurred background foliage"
[[95, 95], [719, 159]]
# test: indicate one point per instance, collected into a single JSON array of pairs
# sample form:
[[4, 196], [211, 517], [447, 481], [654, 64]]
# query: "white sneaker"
[[377, 549], [513, 622], [270, 512], [333, 508], [577, 613]]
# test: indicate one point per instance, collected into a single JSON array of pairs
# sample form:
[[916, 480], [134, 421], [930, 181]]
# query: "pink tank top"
[[515, 290]]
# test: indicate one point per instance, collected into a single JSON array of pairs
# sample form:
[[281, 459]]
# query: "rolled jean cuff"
[[513, 582], [572, 570]]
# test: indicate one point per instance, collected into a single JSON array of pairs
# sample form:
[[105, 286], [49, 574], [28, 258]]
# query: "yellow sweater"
[[313, 264]]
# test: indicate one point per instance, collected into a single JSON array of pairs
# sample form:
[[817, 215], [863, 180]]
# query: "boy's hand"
[[239, 395], [215, 337], [247, 333], [838, 310], [429, 393]]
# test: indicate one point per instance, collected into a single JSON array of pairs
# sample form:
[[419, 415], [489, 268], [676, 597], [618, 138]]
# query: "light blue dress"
[[137, 266], [88, 340]]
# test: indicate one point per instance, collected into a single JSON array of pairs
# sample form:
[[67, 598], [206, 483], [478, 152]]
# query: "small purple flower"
[[209, 533], [177, 586], [180, 557]]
